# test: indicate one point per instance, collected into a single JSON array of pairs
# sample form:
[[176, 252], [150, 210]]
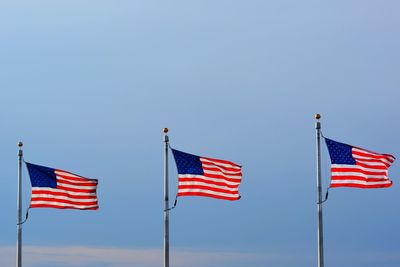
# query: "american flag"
[[357, 167], [201, 176], [54, 188]]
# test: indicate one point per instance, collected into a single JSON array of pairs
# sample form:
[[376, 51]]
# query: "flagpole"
[[320, 233], [166, 200], [19, 207]]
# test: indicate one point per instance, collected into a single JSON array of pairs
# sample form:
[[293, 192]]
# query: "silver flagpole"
[[19, 207], [319, 195], [166, 201]]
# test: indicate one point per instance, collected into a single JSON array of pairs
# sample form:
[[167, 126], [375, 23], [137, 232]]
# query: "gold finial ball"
[[165, 130], [317, 116], [20, 144]]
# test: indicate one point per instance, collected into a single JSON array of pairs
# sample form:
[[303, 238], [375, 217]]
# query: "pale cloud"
[[84, 256], [76, 256], [79, 256]]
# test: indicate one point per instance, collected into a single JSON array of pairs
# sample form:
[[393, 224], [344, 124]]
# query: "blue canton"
[[41, 176], [187, 163], [340, 153]]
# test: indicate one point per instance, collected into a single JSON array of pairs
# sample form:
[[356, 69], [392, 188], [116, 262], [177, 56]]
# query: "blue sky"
[[89, 85]]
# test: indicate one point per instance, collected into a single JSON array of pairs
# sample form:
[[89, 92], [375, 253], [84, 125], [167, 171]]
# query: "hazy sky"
[[89, 85]]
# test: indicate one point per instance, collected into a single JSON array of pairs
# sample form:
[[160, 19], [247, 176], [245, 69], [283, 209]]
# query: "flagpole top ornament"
[[318, 116], [165, 130], [20, 144]]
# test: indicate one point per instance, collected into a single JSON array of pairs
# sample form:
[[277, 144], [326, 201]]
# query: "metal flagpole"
[[319, 195], [166, 201], [19, 207]]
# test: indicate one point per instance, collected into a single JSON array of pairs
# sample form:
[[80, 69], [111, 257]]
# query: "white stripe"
[[372, 164], [194, 184], [365, 160], [207, 165], [222, 174], [64, 198], [208, 192], [64, 191], [359, 182], [220, 164], [65, 173], [357, 167], [366, 151], [85, 187], [363, 157], [63, 204], [220, 180], [69, 174]]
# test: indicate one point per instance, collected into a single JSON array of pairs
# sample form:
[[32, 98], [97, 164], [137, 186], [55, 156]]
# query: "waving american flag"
[[357, 167], [208, 177], [54, 188]]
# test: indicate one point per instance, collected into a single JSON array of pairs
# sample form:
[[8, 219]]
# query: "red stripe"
[[64, 201], [362, 186], [221, 161], [77, 184], [387, 165], [224, 170], [180, 187], [76, 190], [77, 178], [60, 207], [46, 192], [222, 177], [340, 178], [367, 155], [358, 163], [207, 195], [369, 160], [206, 181]]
